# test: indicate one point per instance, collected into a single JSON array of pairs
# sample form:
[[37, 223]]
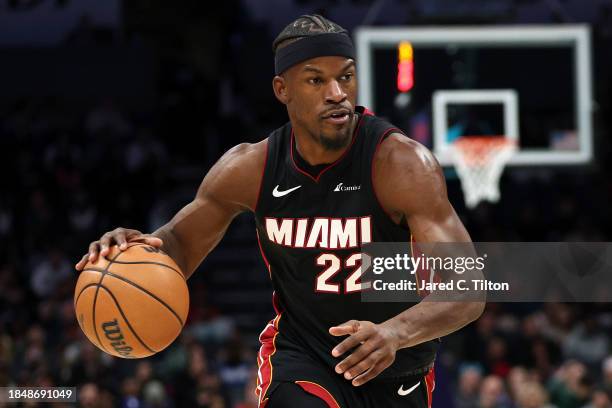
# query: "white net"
[[479, 162]]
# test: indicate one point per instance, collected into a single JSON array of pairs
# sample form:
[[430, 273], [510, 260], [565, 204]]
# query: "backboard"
[[528, 83]]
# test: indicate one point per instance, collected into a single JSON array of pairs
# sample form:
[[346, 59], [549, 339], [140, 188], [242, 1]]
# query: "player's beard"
[[338, 141], [335, 143]]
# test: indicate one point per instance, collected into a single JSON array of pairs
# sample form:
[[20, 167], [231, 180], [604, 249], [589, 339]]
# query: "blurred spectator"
[[106, 120], [493, 393], [532, 395], [470, 377], [249, 396], [570, 386], [49, 272], [606, 368], [186, 383], [144, 372], [91, 396], [155, 396], [587, 343], [600, 399], [235, 367], [130, 390], [497, 361], [145, 153], [82, 213], [88, 395], [517, 377]]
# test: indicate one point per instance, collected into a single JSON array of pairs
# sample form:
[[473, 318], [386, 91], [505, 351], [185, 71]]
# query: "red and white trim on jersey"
[[320, 392], [267, 338], [331, 165], [265, 370], [430, 383]]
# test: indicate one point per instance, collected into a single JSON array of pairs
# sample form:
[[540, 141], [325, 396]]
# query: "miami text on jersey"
[[320, 232]]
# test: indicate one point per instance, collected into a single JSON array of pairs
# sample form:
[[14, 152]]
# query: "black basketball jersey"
[[310, 229]]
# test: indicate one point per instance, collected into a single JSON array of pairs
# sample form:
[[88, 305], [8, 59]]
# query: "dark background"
[[112, 112]]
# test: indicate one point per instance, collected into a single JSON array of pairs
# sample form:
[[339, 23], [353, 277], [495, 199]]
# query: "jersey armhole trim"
[[372, 171], [263, 176]]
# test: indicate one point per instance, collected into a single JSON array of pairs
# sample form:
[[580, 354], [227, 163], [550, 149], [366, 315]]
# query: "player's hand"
[[374, 347], [120, 237]]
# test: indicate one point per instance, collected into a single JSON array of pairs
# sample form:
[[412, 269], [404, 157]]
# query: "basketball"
[[132, 303]]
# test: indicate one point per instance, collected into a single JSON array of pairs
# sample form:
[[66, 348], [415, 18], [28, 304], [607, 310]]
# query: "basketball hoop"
[[479, 162]]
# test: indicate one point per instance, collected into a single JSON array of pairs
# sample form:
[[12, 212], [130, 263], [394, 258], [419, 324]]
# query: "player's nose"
[[334, 92]]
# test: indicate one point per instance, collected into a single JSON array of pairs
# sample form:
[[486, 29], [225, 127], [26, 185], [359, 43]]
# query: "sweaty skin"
[[407, 179]]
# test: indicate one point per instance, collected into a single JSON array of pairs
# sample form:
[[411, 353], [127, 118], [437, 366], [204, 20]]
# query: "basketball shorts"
[[314, 385]]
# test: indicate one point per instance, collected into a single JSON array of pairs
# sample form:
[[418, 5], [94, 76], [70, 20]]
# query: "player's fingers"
[[93, 250], [372, 372], [145, 239], [350, 342], [363, 366], [81, 264], [153, 241], [350, 327], [120, 237], [350, 365], [105, 242]]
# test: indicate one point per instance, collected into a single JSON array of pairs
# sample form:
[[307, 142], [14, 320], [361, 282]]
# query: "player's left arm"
[[410, 186]]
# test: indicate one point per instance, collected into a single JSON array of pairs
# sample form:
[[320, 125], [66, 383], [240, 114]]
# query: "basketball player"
[[331, 179]]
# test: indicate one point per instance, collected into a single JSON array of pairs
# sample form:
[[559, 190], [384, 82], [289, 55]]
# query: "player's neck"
[[314, 153]]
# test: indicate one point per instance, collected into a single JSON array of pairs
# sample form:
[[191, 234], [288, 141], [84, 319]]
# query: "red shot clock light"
[[405, 67]]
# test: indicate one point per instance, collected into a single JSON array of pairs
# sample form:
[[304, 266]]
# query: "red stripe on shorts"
[[430, 383], [264, 359], [318, 391]]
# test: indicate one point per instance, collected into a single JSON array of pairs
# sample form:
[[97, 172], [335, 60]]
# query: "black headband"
[[321, 45]]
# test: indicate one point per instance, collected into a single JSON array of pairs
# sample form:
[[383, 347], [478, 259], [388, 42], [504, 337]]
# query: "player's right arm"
[[230, 188]]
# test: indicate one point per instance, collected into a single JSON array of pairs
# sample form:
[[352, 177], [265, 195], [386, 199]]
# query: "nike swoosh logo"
[[403, 392], [277, 193]]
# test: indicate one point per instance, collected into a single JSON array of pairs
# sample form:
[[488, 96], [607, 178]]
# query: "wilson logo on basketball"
[[112, 331]]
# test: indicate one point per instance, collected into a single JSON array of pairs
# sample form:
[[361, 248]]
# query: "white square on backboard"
[[442, 98]]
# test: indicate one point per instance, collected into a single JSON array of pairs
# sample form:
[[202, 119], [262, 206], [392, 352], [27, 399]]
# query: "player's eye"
[[315, 81], [347, 77]]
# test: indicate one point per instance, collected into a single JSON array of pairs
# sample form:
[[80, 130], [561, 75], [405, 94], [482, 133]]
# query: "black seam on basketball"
[[93, 306], [126, 320], [93, 314], [101, 270], [150, 263], [94, 269], [137, 286], [89, 285], [114, 260]]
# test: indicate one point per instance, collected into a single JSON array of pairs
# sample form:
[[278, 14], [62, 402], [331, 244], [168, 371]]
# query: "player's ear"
[[280, 89]]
